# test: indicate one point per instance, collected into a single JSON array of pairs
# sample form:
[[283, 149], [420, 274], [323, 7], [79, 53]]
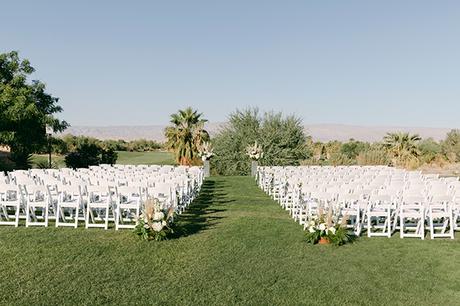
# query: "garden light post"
[[49, 132]]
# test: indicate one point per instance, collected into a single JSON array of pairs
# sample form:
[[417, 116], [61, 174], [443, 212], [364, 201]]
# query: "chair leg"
[[58, 210], [401, 227], [107, 218], [17, 215], [27, 215], [87, 215], [46, 211], [431, 226], [76, 216], [117, 217], [368, 225]]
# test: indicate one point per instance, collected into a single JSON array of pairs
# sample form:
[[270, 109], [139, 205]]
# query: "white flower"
[[157, 226], [254, 151], [312, 223], [163, 223], [332, 230], [158, 216], [322, 227], [311, 229]]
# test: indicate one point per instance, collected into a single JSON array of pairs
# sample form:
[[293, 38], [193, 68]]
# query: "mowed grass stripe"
[[234, 246]]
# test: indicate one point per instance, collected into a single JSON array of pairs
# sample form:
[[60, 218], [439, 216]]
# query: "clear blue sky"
[[136, 62]]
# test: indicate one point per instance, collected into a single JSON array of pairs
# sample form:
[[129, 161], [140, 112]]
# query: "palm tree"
[[402, 146], [186, 135]]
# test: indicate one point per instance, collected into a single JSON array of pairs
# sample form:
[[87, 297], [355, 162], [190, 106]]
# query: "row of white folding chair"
[[410, 211], [98, 199]]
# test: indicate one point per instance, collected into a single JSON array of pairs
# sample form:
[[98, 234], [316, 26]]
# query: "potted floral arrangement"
[[206, 152], [255, 153], [326, 230], [155, 222]]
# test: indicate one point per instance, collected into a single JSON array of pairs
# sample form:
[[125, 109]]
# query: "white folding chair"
[[127, 207], [380, 216], [37, 201], [441, 217], [412, 217], [10, 204], [69, 205], [98, 204]]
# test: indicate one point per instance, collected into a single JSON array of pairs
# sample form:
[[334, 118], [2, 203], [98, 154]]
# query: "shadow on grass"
[[200, 216]]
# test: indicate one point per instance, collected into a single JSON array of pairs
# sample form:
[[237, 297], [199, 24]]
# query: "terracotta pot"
[[323, 240]]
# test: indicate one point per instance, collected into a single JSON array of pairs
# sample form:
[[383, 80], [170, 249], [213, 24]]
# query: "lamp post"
[[49, 132]]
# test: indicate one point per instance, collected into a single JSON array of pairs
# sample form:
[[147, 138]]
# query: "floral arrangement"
[[327, 230], [155, 222], [206, 151], [255, 151]]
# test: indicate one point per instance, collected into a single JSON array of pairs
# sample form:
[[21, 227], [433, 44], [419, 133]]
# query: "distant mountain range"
[[322, 132]]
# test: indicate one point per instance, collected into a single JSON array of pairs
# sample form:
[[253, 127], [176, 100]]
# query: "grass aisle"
[[236, 247]]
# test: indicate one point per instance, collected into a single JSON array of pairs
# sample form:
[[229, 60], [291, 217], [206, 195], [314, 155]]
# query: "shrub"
[[374, 156], [337, 159], [282, 139], [86, 155], [109, 157], [430, 151], [451, 146]]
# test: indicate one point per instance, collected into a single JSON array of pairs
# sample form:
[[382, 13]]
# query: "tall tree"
[[25, 109], [402, 147], [186, 135]]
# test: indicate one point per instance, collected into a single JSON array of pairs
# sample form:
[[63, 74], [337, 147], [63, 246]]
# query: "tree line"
[[69, 143], [284, 143], [27, 111]]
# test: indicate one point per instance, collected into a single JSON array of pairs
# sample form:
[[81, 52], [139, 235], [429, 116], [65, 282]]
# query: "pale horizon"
[[393, 63]]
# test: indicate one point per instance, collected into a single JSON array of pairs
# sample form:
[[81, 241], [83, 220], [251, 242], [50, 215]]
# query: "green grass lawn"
[[145, 158], [124, 157], [236, 246]]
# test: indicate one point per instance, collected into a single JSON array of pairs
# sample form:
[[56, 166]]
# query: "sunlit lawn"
[[235, 247], [124, 157], [146, 158]]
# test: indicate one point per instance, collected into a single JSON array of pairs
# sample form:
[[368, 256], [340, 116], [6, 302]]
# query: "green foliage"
[[186, 135], [342, 236], [451, 146], [429, 150], [155, 223], [21, 159], [25, 109], [373, 157], [6, 164], [139, 145], [109, 157], [143, 230], [87, 154], [328, 228], [337, 159], [402, 147], [69, 143], [352, 148], [282, 139]]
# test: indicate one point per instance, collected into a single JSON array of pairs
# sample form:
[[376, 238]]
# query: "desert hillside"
[[322, 132]]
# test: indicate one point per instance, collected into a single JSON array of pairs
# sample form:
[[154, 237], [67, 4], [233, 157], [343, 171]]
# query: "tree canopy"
[[186, 135], [25, 109], [282, 139]]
